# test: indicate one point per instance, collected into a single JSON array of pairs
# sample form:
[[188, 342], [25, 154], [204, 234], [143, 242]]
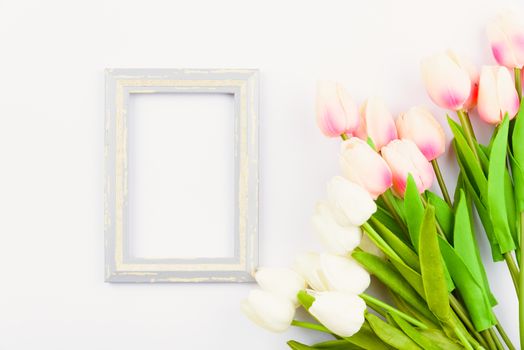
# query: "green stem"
[[518, 82], [308, 325], [344, 137], [489, 339], [513, 270], [464, 317], [496, 339], [521, 282], [468, 132], [462, 338], [391, 208], [504, 336], [441, 182], [379, 241], [372, 300]]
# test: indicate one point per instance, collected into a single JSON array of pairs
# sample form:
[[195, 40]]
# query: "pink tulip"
[[376, 123], [419, 126], [447, 82], [474, 76], [337, 113], [404, 158], [497, 95], [506, 36], [363, 166]]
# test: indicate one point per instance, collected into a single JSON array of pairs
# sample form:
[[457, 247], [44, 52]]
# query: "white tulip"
[[337, 238], [327, 272], [280, 281], [353, 200], [268, 310], [308, 266], [341, 313]]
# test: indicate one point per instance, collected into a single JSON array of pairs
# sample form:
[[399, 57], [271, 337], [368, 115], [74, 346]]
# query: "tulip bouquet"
[[380, 217]]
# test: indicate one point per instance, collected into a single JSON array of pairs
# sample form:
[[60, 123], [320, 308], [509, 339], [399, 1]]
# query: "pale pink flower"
[[404, 158], [376, 122], [363, 165], [419, 126], [447, 83], [506, 37], [497, 94], [337, 113]]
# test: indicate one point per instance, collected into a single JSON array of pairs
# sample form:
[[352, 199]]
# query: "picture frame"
[[120, 265]]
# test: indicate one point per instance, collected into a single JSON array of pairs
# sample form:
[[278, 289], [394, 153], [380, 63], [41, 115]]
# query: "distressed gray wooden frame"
[[120, 266]]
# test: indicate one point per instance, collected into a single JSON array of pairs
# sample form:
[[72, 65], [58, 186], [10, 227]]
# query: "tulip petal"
[[268, 310], [308, 266], [507, 95], [363, 166], [341, 313], [336, 238], [353, 200], [281, 281], [447, 84], [344, 274]]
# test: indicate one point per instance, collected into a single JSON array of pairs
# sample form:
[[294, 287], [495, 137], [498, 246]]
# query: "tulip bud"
[[280, 281], [404, 158], [268, 310], [497, 95], [447, 83], [351, 199], [419, 126], [506, 37], [341, 313], [363, 166], [377, 123], [337, 113], [331, 272], [336, 237], [474, 76]]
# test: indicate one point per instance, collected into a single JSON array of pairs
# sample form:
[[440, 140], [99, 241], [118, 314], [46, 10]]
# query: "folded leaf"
[[496, 202], [389, 276], [482, 211], [475, 299], [415, 335], [432, 268], [439, 339], [465, 244], [391, 335]]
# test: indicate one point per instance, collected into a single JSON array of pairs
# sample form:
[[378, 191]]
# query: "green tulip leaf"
[[443, 213], [402, 249], [432, 268], [441, 340], [340, 344], [305, 299], [496, 202], [482, 211], [472, 170], [390, 277], [298, 346], [383, 216], [517, 157], [391, 335], [414, 334], [414, 206], [367, 339], [472, 291], [466, 247]]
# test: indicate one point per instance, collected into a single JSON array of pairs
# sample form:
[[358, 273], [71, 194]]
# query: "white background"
[[52, 56]]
